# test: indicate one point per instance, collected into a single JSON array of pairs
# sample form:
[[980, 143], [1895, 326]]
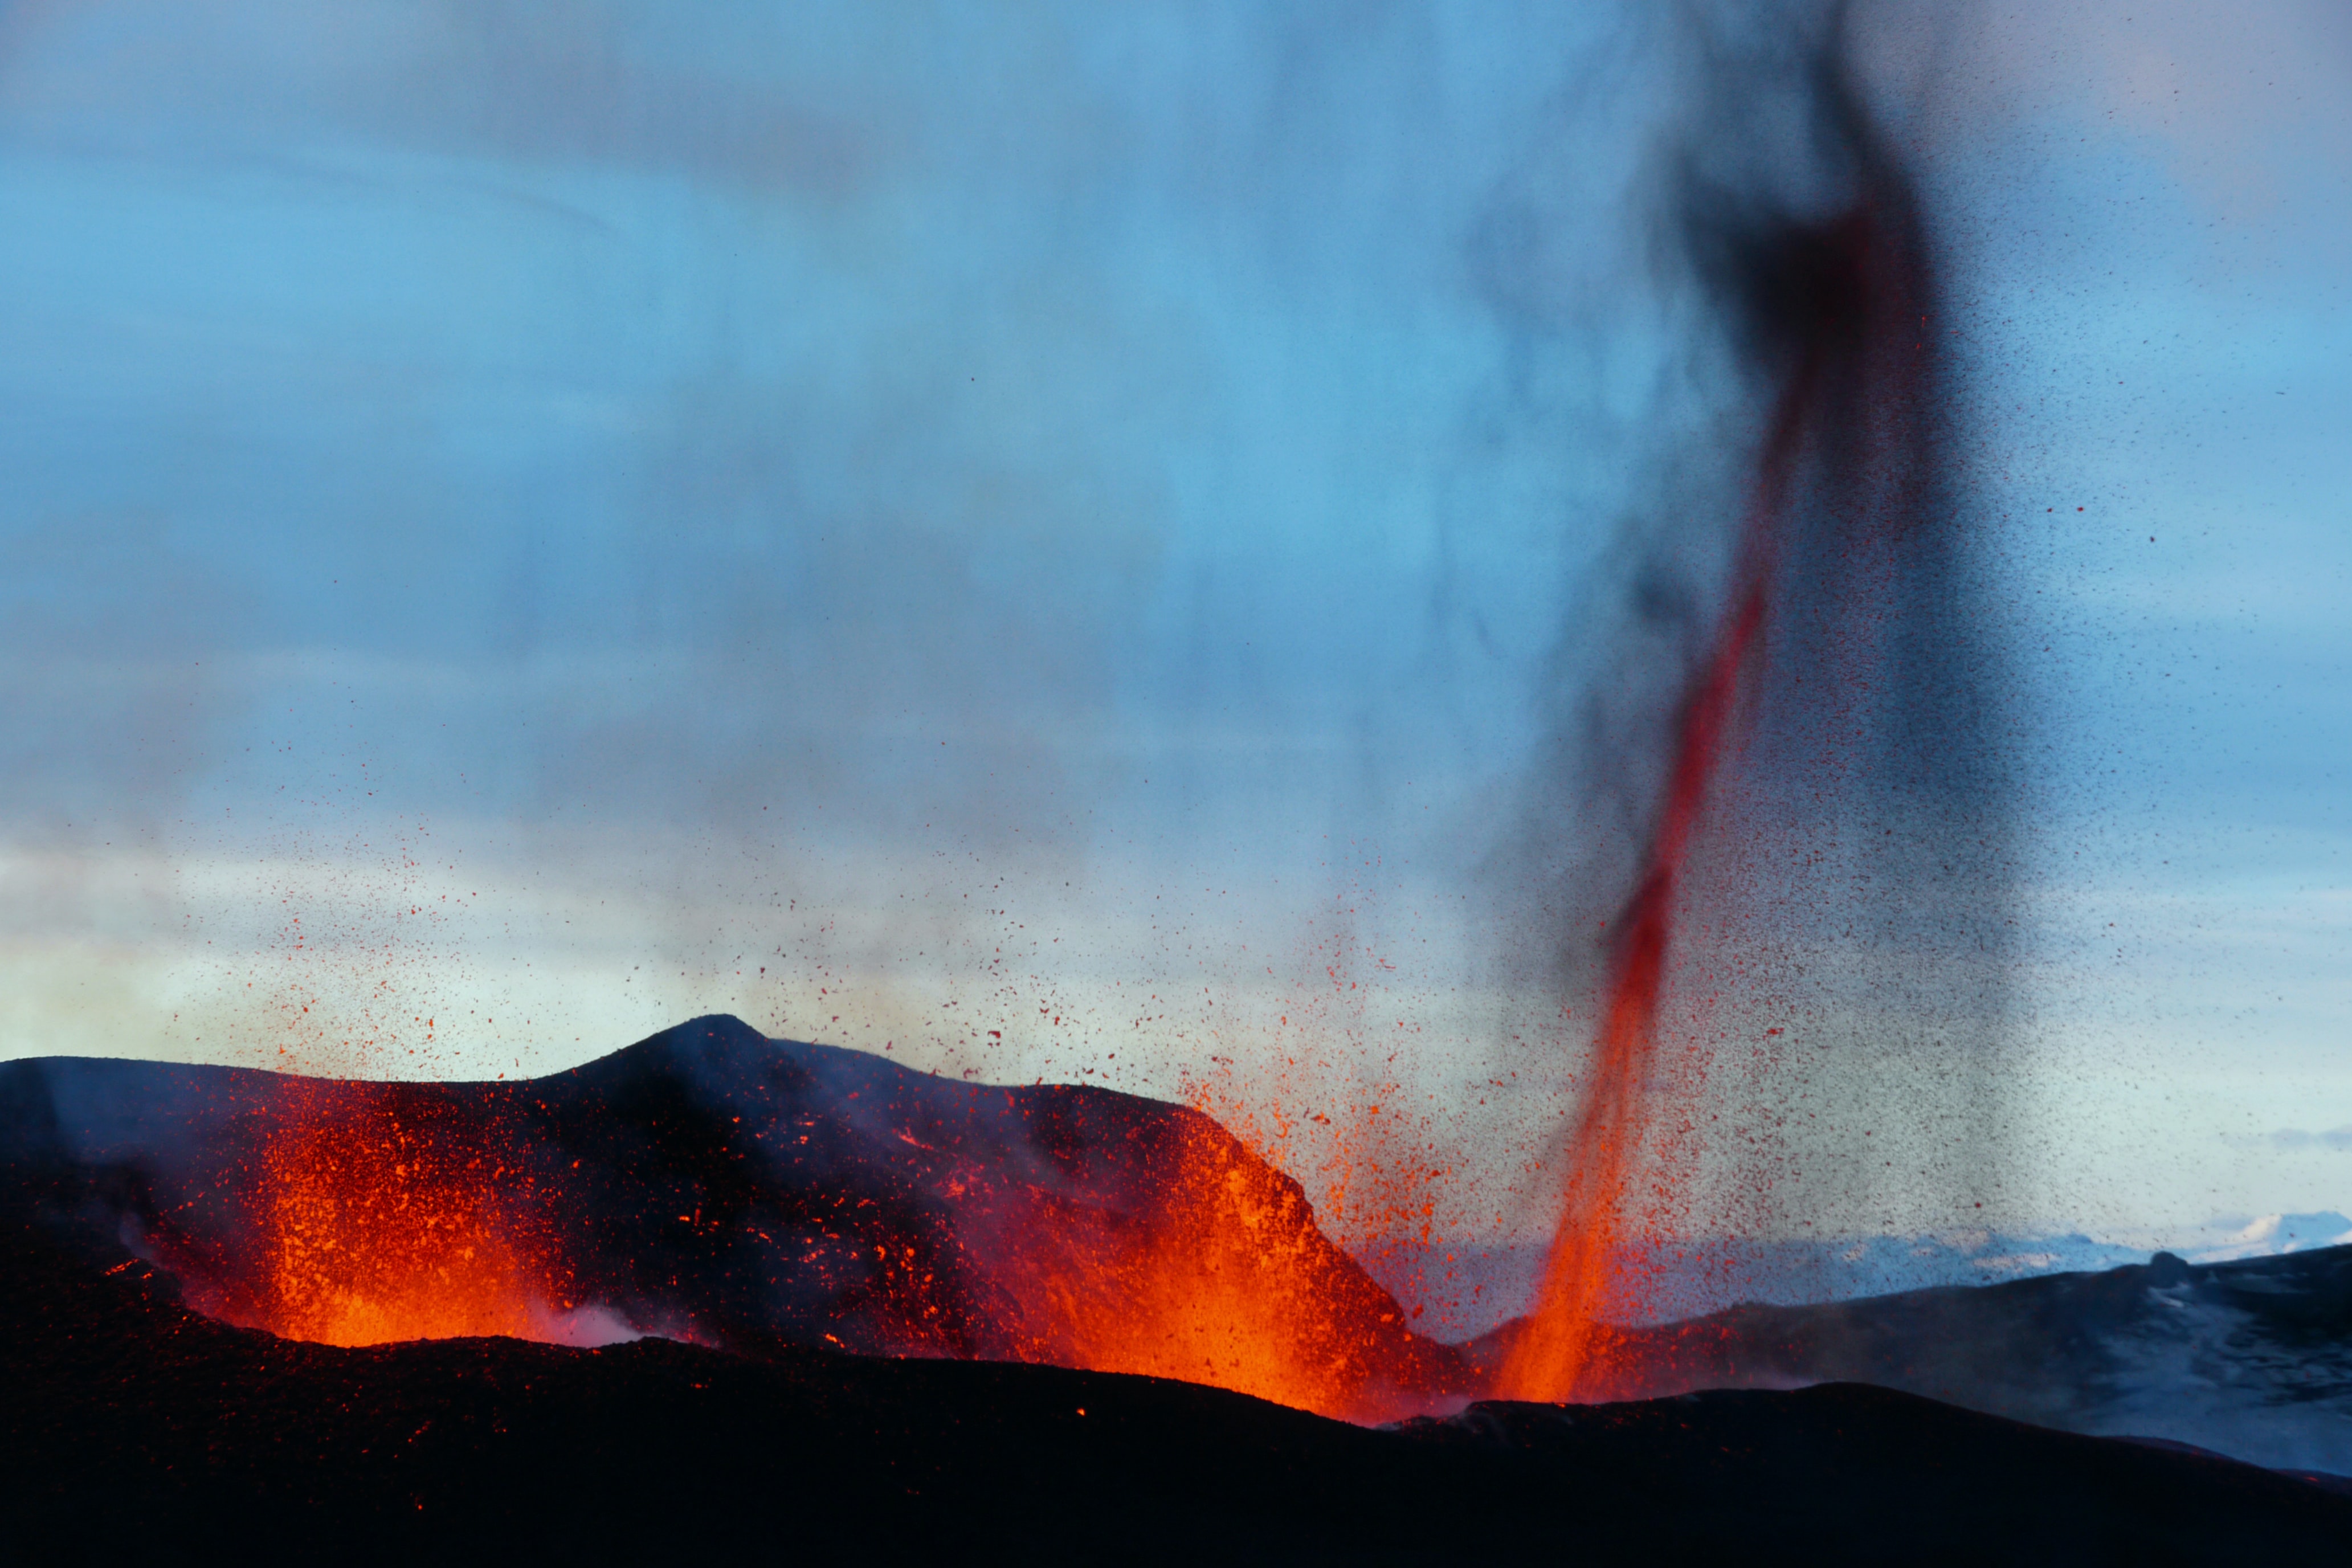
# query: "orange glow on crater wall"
[[1232, 1285], [370, 1229]]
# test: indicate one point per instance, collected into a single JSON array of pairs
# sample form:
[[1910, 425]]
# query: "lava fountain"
[[1832, 647], [749, 1193], [370, 1214]]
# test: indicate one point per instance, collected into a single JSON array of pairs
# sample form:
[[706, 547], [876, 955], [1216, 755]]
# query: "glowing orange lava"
[[370, 1229], [1551, 1357], [1838, 313], [1232, 1284]]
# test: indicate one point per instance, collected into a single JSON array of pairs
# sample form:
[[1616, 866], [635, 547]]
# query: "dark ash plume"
[[1794, 931]]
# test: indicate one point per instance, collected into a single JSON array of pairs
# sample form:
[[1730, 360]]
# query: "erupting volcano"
[[716, 1186], [859, 1260], [1434, 596]]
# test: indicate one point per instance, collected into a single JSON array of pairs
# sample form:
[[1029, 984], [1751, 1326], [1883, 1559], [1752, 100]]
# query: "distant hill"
[[2270, 1235], [2250, 1357]]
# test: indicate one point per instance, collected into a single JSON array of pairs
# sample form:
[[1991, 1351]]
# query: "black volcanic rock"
[[712, 1184], [135, 1428]]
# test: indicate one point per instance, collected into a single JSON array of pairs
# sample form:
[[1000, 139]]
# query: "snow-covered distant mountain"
[[2251, 1357], [1468, 1290], [2272, 1235]]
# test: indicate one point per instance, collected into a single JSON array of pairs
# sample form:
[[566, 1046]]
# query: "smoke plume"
[[1795, 973]]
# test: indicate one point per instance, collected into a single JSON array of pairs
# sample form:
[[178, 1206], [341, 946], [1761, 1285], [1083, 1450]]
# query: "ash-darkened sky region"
[[1064, 542]]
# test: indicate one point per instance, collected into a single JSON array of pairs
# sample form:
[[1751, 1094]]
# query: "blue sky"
[[904, 523]]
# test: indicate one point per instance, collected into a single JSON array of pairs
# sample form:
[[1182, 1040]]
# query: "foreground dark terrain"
[[134, 1428]]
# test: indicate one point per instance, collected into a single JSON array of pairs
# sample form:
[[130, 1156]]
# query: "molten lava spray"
[[368, 1213], [375, 1230], [1820, 727], [1550, 1354], [1840, 678]]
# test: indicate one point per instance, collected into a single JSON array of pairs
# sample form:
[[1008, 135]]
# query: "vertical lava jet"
[[1829, 754]]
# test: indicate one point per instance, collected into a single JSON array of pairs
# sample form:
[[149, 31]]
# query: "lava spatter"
[[1839, 680]]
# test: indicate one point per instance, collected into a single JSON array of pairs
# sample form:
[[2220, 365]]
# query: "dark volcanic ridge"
[[846, 1262], [137, 1425], [713, 1186]]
